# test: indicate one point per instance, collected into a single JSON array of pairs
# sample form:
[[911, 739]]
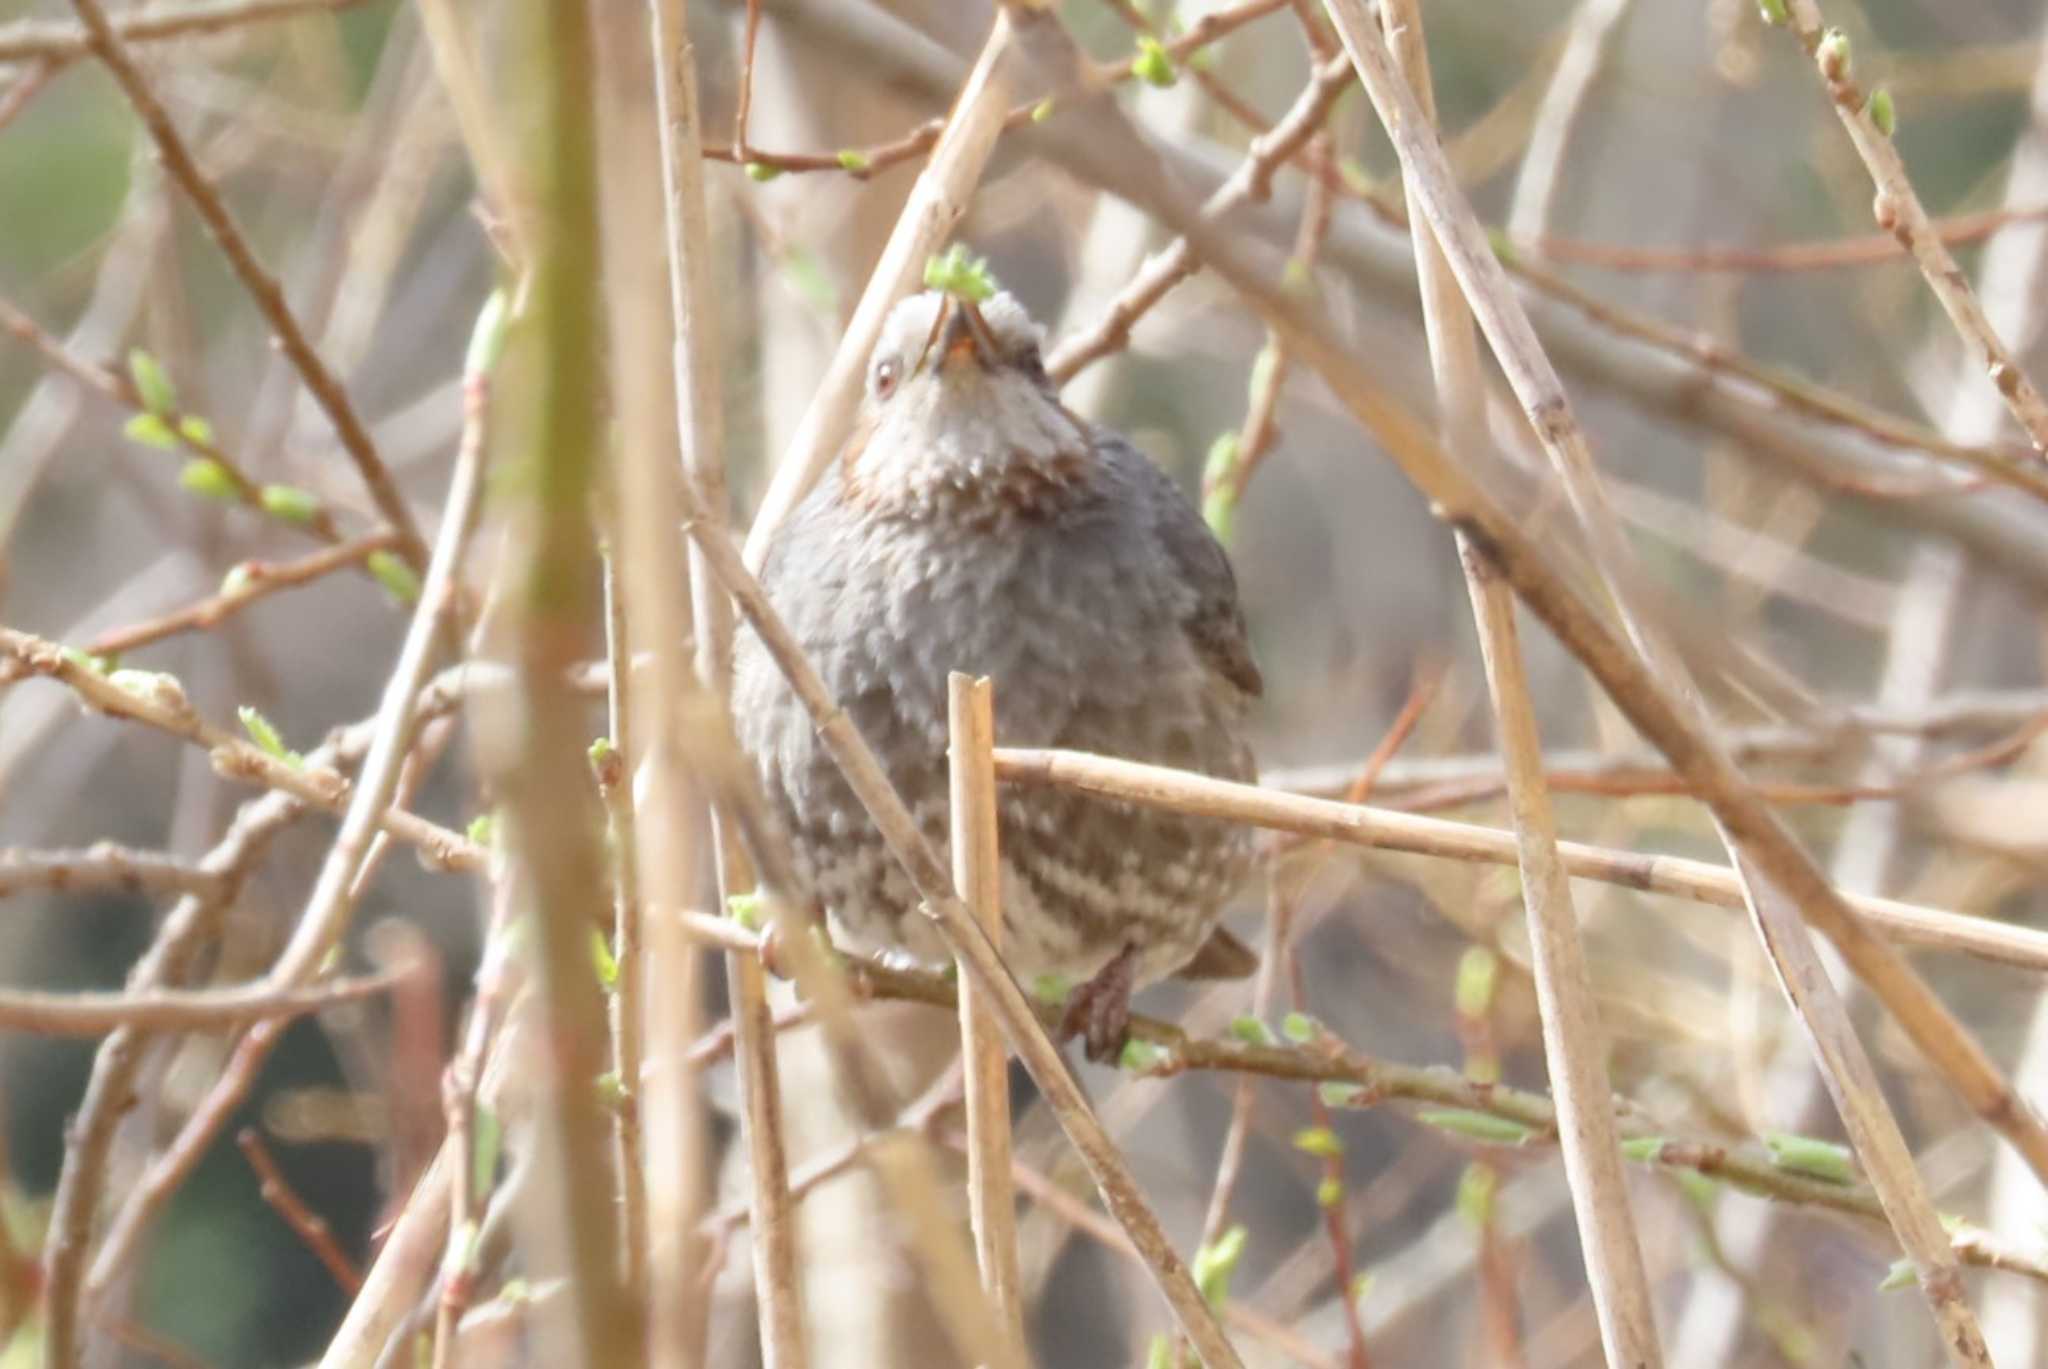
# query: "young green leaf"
[[1216, 1262], [1810, 1156], [1251, 1030], [957, 272], [1153, 65], [1475, 1126], [262, 732]]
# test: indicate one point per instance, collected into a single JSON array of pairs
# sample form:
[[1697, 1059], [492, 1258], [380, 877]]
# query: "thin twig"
[[310, 1227], [977, 874], [263, 288], [172, 1010], [103, 865], [247, 583], [1574, 1045], [59, 45], [1898, 211]]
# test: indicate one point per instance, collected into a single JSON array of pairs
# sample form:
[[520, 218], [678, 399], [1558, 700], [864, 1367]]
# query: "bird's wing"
[[1215, 625]]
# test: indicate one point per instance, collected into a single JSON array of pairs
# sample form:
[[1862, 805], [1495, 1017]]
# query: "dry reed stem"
[[1780, 879], [977, 874], [649, 561], [693, 333], [55, 46], [1898, 211], [936, 204], [262, 287], [1574, 1044]]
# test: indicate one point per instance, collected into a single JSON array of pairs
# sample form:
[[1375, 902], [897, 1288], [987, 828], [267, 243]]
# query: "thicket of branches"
[[1623, 423]]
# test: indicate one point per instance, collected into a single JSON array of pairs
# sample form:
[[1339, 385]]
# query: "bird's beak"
[[962, 335]]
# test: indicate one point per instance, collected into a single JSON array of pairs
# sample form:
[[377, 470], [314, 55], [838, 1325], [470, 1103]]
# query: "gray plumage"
[[974, 524]]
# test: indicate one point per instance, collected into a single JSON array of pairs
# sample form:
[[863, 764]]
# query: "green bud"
[[483, 829], [1251, 1030], [1773, 12], [1881, 111], [1141, 1057], [762, 172], [1478, 972], [400, 581], [1643, 1150], [1338, 1093], [266, 736], [1833, 55], [1902, 1274], [150, 430], [1216, 1262], [1152, 65], [1810, 1156], [239, 578], [1042, 111], [152, 385], [1319, 1141], [746, 909], [195, 430], [487, 334], [602, 959], [852, 160], [1300, 1028], [1329, 1192], [207, 478], [290, 503]]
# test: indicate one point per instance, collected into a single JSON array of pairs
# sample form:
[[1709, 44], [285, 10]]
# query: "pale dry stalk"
[[977, 874], [694, 336], [1574, 1044]]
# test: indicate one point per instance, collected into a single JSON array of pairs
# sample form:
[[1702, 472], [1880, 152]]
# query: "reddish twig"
[[246, 583], [308, 1225]]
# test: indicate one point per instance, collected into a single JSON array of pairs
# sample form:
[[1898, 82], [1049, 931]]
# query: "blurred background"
[[1775, 398]]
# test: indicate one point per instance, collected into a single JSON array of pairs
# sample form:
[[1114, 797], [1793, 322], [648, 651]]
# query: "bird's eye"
[[885, 378]]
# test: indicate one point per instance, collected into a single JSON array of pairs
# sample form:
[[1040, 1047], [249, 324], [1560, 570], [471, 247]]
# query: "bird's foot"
[[1099, 1011]]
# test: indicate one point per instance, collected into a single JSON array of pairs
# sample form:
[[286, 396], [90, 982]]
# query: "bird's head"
[[959, 409]]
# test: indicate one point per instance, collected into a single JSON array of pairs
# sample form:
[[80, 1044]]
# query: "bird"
[[973, 523]]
